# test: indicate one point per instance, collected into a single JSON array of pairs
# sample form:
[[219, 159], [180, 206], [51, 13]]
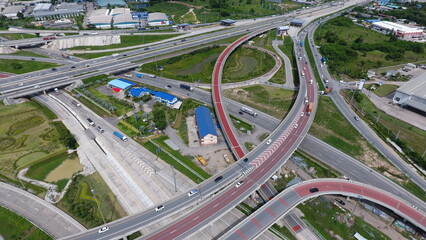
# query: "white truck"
[[249, 111]]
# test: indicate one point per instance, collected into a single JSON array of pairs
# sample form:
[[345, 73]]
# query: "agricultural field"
[[14, 226], [128, 41], [351, 50], [22, 66], [28, 135], [197, 66], [80, 202], [274, 101]]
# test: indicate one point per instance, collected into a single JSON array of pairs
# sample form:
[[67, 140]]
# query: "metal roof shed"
[[227, 22], [121, 83], [297, 22], [205, 122]]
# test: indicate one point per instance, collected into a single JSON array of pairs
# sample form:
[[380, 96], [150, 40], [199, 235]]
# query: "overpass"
[[268, 214]]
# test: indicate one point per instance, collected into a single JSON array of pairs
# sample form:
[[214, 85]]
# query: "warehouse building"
[[44, 10], [399, 30], [165, 98], [120, 84], [206, 127], [139, 92], [100, 19], [122, 18], [412, 94], [157, 19], [12, 11]]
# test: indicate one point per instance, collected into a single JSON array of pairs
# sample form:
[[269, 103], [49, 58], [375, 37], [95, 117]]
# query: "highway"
[[264, 159], [44, 215], [47, 79], [259, 221], [360, 125]]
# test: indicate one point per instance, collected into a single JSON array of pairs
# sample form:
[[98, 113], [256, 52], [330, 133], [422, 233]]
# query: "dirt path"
[[186, 4]]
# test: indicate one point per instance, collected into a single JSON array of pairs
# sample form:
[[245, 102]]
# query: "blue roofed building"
[[206, 127], [120, 83], [165, 97], [139, 92]]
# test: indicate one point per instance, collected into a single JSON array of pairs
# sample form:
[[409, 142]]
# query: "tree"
[[251, 12], [359, 39], [20, 15]]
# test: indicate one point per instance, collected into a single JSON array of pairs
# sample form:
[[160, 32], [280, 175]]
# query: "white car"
[[192, 192], [103, 229], [302, 114], [296, 125], [239, 184], [159, 208], [269, 141]]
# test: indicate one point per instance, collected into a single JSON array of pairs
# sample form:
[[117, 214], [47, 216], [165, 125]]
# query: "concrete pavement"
[[44, 215], [289, 81]]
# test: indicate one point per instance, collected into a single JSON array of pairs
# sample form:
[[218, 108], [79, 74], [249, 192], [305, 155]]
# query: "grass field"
[[414, 136], [327, 218], [242, 65], [128, 41], [26, 53], [96, 55], [241, 125], [17, 36], [16, 227], [80, 203], [23, 142], [322, 170], [274, 101], [365, 60], [169, 160], [21, 66], [384, 90]]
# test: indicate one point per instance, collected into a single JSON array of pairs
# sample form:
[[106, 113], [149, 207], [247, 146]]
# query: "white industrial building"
[[100, 19], [398, 29], [12, 11], [412, 93], [45, 10], [117, 18], [157, 19]]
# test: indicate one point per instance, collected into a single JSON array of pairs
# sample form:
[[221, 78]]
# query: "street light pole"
[[97, 203]]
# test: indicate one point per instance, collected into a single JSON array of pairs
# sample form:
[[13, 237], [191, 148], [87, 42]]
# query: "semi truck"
[[139, 75], [310, 108], [249, 111], [187, 87], [119, 135]]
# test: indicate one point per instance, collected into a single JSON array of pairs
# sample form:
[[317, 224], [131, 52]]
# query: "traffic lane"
[[185, 224], [364, 192], [354, 169]]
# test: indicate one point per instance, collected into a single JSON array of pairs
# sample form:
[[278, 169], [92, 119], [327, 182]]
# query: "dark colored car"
[[241, 113], [245, 159], [218, 178], [312, 190], [340, 201], [54, 69]]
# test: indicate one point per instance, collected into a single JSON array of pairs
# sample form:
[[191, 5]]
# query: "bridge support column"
[[44, 92], [16, 46]]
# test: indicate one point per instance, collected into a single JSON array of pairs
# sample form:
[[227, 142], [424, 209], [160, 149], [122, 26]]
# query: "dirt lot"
[[65, 170]]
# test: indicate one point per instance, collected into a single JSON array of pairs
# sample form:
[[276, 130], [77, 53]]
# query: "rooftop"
[[121, 83], [157, 17], [228, 21], [136, 92], [395, 26], [416, 86], [165, 96], [97, 20], [124, 19], [12, 9], [118, 11], [204, 121], [42, 7], [104, 3], [297, 21], [99, 12]]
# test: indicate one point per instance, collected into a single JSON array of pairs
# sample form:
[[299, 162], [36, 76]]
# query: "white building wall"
[[209, 139]]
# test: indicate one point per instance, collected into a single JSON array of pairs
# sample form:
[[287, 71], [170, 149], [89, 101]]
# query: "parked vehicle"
[[124, 138], [187, 87], [128, 75], [225, 156], [159, 208], [202, 161]]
